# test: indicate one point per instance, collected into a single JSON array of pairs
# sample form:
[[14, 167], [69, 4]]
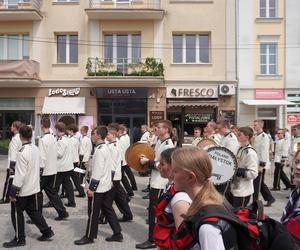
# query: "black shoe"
[[130, 194], [275, 189], [70, 205], [270, 202], [80, 195], [62, 217], [46, 236], [2, 201], [125, 219], [49, 204], [134, 188], [14, 243], [146, 190], [146, 245], [29, 221], [146, 197], [83, 241], [115, 237]]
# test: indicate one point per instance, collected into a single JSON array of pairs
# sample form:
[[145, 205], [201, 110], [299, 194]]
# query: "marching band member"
[[146, 134], [210, 132], [100, 192], [48, 157], [294, 142], [85, 150], [197, 136], [120, 196], [262, 145], [228, 140], [65, 163], [157, 183], [72, 130], [280, 158], [24, 192], [242, 184], [14, 146], [124, 143]]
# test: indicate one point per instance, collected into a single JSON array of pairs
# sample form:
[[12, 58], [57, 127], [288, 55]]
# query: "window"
[[190, 48], [67, 49], [268, 59], [14, 47], [268, 8]]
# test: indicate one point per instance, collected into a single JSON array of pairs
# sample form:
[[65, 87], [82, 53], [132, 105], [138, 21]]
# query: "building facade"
[[96, 62]]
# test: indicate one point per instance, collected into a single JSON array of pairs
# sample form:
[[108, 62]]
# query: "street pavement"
[[74, 228]]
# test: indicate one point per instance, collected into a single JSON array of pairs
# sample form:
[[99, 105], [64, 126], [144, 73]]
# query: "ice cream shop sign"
[[64, 92]]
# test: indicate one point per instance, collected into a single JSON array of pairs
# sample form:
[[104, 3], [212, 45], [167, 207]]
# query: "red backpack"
[[252, 229], [293, 227]]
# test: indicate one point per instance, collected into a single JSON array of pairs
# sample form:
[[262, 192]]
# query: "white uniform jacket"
[[145, 137], [247, 159], [85, 148], [27, 171], [230, 141], [261, 145], [124, 143], [14, 146], [75, 148], [115, 153], [216, 138], [196, 141], [48, 154], [101, 168], [156, 181], [64, 154], [281, 150]]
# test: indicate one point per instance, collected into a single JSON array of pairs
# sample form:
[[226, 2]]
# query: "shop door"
[[133, 123], [270, 125]]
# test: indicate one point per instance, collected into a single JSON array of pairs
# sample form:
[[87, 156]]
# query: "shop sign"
[[293, 119], [269, 94], [228, 115], [122, 93], [293, 97], [156, 116], [199, 118], [192, 92], [64, 92]]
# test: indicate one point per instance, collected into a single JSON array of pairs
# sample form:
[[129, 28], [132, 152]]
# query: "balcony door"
[[122, 53]]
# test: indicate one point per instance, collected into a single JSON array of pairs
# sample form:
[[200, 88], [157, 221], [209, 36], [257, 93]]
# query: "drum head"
[[133, 154], [224, 164], [206, 143]]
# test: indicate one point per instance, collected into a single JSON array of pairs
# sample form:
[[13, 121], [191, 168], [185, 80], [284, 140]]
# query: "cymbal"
[[133, 154]]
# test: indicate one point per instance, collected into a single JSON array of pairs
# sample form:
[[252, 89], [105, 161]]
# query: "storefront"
[[293, 110]]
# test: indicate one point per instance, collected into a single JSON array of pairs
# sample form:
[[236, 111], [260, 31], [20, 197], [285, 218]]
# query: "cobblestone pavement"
[[67, 231]]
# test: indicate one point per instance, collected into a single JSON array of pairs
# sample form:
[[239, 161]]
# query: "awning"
[[174, 103], [64, 105], [267, 102]]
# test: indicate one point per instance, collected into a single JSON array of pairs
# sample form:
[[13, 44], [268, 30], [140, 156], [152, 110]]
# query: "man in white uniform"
[[197, 136], [85, 150]]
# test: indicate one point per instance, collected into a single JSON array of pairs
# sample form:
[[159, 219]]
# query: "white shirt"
[[124, 143], [281, 150], [64, 154], [14, 146], [101, 168], [196, 141], [115, 153], [27, 171], [180, 196], [216, 137], [156, 181], [262, 146], [85, 148], [230, 142], [145, 137], [48, 154], [75, 148]]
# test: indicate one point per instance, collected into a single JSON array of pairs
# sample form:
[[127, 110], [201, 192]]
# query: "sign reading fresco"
[[293, 119], [156, 116], [198, 118], [192, 92], [122, 93], [64, 92]]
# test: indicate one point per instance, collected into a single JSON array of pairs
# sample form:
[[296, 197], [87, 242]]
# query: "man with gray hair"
[[146, 134], [210, 132]]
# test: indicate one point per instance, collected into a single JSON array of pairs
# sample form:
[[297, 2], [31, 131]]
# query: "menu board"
[[199, 118], [156, 116], [229, 116]]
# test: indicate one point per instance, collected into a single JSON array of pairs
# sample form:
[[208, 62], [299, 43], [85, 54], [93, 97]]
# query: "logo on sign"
[[64, 92]]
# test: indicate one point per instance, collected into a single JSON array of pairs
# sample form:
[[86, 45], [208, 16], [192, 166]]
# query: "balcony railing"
[[20, 4], [124, 67], [125, 4], [19, 69]]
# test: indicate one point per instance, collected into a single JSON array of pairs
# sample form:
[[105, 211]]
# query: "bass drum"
[[206, 144], [224, 164]]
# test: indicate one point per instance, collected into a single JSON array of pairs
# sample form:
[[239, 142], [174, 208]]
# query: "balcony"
[[125, 10], [19, 73], [124, 70], [20, 10]]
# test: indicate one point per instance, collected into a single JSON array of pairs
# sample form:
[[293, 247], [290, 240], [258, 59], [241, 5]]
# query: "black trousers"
[[240, 201], [7, 186], [31, 205], [47, 184], [76, 180], [121, 199], [279, 174], [129, 187], [82, 165], [63, 178], [261, 187], [154, 194], [101, 202]]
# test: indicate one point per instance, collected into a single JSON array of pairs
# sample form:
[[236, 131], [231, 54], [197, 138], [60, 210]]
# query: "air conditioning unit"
[[226, 89]]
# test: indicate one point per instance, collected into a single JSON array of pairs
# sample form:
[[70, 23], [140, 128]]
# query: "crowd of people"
[[180, 188]]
